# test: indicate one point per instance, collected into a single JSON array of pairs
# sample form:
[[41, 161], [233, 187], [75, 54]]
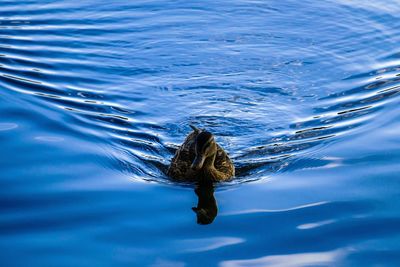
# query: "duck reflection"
[[206, 209]]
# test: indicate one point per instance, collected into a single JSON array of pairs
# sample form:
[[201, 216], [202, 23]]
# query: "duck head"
[[205, 151]]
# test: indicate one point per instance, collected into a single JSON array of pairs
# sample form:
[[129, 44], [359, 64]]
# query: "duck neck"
[[209, 163], [208, 166]]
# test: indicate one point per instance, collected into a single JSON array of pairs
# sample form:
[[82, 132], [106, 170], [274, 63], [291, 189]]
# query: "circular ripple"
[[133, 76]]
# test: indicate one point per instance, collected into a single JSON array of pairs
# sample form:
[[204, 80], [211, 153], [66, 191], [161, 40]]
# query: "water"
[[97, 95]]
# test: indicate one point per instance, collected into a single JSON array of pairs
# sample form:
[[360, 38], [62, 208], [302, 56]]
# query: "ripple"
[[8, 126], [49, 138], [314, 225], [305, 206], [345, 113], [206, 244], [101, 74], [298, 259], [342, 115]]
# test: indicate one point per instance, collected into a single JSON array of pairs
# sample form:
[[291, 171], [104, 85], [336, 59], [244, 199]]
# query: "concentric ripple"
[[133, 83]]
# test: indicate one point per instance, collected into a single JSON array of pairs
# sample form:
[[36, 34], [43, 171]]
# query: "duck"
[[200, 158]]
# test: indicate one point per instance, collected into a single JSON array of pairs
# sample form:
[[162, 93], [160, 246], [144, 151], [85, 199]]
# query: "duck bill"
[[198, 162]]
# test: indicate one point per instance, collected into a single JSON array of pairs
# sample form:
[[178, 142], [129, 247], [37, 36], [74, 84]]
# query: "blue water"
[[95, 97]]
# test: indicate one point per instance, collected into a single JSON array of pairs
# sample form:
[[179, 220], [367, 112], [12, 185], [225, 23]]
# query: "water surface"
[[97, 96]]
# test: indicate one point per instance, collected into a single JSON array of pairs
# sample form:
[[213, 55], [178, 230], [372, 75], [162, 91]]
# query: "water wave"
[[77, 66]]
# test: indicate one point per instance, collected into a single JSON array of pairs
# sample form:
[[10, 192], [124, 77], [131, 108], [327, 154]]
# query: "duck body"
[[200, 158]]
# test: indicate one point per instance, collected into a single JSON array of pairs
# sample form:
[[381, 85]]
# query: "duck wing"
[[223, 163], [180, 168]]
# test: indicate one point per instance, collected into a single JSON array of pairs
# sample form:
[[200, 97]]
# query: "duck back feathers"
[[180, 168]]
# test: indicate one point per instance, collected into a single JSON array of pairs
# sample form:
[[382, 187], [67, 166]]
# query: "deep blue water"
[[95, 97]]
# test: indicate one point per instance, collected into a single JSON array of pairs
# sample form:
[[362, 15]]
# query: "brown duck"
[[200, 157]]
